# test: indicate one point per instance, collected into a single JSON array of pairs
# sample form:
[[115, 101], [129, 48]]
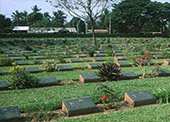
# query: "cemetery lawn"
[[74, 75], [154, 113], [50, 98]]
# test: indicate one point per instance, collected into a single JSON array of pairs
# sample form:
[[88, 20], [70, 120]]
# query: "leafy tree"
[[134, 16], [104, 20], [16, 17], [83, 9], [130, 15], [59, 18], [35, 16], [5, 23], [35, 9]]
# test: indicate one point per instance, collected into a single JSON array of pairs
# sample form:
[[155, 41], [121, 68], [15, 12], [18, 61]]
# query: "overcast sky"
[[9, 6]]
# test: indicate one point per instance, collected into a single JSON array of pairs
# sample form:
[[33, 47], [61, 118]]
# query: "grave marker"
[[81, 56], [3, 85], [74, 107], [22, 62], [118, 58], [163, 72], [48, 81], [128, 75], [39, 57], [89, 78], [32, 69], [119, 54], [75, 60], [64, 68], [10, 113], [100, 55], [139, 98], [98, 59], [123, 64], [94, 65], [158, 57], [13, 55], [17, 58]]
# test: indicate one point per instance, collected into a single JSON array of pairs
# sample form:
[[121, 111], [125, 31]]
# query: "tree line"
[[126, 16]]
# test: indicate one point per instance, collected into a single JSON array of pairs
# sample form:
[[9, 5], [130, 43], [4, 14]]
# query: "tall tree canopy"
[[130, 16], [4, 22], [83, 9]]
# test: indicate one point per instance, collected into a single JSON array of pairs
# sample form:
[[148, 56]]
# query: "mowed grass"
[[50, 98], [154, 113], [74, 75]]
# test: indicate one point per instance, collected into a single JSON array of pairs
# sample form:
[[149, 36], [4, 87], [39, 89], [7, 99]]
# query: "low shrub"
[[108, 96], [61, 59], [49, 65], [109, 51], [20, 79], [6, 61]]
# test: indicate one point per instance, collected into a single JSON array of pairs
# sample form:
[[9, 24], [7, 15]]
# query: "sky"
[[9, 6]]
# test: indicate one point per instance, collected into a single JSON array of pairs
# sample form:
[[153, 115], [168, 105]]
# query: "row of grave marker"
[[85, 78], [69, 67], [80, 106]]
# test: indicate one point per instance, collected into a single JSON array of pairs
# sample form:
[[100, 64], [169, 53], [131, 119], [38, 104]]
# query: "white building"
[[21, 28]]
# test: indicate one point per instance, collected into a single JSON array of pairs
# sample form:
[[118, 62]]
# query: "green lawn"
[[50, 98], [143, 114], [74, 75]]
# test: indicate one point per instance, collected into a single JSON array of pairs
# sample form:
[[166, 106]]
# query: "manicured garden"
[[121, 64]]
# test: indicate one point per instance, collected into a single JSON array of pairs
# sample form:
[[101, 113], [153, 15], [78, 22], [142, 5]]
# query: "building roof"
[[99, 30], [51, 29], [21, 28]]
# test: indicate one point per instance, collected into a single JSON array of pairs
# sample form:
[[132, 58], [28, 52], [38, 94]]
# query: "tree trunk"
[[86, 27], [93, 32]]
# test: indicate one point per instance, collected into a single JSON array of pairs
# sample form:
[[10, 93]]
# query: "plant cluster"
[[6, 61], [61, 59], [163, 95], [108, 96], [92, 51], [109, 72], [20, 79], [109, 50], [49, 65]]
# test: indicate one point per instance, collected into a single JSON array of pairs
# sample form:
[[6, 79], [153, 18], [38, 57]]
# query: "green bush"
[[6, 61], [108, 96], [49, 65], [61, 59], [109, 51], [92, 51], [37, 62], [20, 79]]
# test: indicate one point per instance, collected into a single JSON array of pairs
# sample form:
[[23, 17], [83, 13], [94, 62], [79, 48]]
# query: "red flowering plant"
[[107, 97]]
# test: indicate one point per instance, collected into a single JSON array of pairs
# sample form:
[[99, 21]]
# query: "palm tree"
[[24, 17], [35, 9], [16, 17], [59, 18]]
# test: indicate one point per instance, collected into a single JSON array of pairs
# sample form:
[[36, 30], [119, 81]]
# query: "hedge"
[[58, 35]]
